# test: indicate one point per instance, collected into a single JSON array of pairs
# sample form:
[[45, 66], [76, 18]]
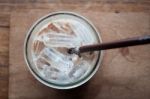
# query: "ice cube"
[[57, 59], [37, 47], [50, 72], [79, 70], [40, 62], [82, 33], [59, 40], [63, 77]]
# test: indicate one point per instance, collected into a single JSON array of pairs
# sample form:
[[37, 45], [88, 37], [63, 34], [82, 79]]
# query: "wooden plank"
[[6, 6], [4, 88], [4, 40], [4, 33], [72, 1], [4, 19], [106, 7], [123, 74]]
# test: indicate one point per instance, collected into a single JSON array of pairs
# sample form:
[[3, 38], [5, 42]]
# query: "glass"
[[46, 50]]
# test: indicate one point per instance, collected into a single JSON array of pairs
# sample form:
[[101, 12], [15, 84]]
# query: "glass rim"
[[62, 86]]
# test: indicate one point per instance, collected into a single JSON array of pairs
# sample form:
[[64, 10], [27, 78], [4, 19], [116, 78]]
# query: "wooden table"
[[7, 6]]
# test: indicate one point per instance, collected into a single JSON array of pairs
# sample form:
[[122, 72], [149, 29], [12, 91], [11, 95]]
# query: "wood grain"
[[4, 32], [123, 74], [4, 20], [72, 1], [105, 6], [6, 6]]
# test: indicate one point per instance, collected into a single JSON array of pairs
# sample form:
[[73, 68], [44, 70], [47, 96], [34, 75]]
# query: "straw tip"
[[73, 51]]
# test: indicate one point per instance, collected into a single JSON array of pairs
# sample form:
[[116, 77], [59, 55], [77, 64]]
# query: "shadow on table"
[[86, 91]]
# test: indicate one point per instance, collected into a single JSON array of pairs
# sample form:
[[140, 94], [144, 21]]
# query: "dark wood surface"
[[7, 6]]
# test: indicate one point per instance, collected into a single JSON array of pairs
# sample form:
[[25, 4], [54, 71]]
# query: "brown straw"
[[111, 45]]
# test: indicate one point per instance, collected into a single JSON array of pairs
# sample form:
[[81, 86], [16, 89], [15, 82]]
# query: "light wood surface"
[[7, 6], [123, 73]]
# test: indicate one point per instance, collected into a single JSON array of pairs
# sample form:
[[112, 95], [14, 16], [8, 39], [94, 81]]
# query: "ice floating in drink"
[[59, 40], [50, 55]]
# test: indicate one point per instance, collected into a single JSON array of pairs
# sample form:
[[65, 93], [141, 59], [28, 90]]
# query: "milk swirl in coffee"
[[49, 51]]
